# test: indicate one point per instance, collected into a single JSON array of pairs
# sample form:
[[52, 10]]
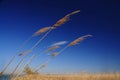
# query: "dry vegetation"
[[82, 76]]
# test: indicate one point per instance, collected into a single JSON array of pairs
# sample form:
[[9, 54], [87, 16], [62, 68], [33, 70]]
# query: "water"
[[4, 77]]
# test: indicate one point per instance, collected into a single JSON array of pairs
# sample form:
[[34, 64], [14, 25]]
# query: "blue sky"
[[19, 19]]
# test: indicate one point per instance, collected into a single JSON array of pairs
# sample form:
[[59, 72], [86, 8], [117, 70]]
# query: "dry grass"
[[83, 76]]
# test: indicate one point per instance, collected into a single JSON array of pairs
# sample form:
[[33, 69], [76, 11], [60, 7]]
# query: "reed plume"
[[52, 48], [64, 19], [24, 52], [40, 31], [54, 54], [76, 41]]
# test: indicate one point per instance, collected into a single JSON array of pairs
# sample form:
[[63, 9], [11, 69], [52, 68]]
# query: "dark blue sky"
[[101, 18]]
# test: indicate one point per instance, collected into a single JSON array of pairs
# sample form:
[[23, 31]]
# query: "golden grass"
[[82, 76]]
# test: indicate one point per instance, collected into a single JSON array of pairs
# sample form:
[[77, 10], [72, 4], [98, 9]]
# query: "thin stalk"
[[12, 59], [49, 59], [21, 61], [28, 62]]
